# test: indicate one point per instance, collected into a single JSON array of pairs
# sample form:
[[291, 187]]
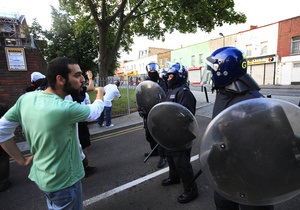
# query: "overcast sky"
[[258, 12]]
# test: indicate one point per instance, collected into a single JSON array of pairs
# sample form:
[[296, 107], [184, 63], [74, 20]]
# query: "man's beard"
[[70, 90]]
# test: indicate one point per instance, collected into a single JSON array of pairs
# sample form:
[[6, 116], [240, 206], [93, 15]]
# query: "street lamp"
[[221, 34]]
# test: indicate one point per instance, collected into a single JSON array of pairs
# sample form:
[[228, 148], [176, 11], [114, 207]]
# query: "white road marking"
[[128, 185]]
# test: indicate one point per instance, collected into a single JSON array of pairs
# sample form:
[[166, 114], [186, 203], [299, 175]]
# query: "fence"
[[126, 104]]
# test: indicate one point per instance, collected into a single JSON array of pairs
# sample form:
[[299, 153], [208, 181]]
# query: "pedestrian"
[[228, 66], [38, 82], [4, 159], [49, 124], [111, 91], [179, 161], [152, 70], [83, 129]]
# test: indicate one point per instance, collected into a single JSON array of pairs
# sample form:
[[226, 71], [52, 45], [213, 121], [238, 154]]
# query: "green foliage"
[[119, 20], [38, 34], [73, 37], [94, 31], [120, 105]]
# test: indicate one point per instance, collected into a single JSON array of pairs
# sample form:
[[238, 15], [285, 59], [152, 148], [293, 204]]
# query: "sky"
[[258, 12]]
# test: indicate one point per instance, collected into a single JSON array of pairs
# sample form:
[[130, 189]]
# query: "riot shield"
[[173, 126], [250, 152], [148, 94]]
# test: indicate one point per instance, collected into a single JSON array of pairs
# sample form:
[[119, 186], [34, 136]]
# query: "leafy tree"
[[38, 35], [118, 21], [149, 18], [72, 37]]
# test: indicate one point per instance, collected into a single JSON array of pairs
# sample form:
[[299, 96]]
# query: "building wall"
[[268, 49], [229, 40], [287, 29], [13, 83], [260, 46], [163, 59], [193, 57], [290, 63], [139, 65]]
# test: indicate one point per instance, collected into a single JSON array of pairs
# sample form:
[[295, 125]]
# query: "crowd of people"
[[59, 153]]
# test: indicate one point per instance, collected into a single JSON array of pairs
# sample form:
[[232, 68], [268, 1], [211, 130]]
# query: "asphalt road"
[[123, 181]]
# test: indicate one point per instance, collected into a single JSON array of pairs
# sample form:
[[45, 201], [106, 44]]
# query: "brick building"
[[18, 59], [289, 50]]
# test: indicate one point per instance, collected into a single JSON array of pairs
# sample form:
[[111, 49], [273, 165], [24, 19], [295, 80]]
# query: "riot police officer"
[[179, 161], [152, 69], [228, 66]]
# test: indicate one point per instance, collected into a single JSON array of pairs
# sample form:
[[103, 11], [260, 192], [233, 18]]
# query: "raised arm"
[[90, 87], [97, 106]]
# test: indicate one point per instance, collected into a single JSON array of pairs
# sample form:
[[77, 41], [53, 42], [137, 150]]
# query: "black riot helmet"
[[152, 69]]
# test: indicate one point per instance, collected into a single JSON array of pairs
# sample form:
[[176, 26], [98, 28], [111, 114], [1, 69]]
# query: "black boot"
[[187, 196]]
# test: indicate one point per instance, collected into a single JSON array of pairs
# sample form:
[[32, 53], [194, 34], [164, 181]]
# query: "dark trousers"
[[181, 168], [159, 150], [84, 134], [4, 170], [108, 116], [225, 204]]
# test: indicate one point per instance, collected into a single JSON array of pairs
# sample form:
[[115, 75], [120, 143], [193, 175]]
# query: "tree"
[[120, 20], [35, 29], [72, 37]]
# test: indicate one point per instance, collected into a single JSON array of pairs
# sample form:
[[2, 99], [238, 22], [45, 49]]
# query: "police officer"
[[152, 69], [228, 66], [179, 161]]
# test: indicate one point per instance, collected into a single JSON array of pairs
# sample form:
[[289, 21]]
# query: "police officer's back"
[[232, 84]]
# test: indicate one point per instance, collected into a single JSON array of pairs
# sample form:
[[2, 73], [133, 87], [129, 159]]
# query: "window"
[[296, 65], [264, 48], [200, 59], [295, 45], [248, 50], [193, 60], [11, 42]]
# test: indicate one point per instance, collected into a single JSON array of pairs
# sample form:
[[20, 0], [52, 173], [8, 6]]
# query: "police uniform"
[[225, 98], [179, 161], [228, 66], [159, 150]]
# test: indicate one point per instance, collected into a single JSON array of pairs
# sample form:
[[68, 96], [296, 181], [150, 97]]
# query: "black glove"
[[142, 113]]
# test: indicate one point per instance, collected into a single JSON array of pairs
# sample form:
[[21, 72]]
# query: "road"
[[123, 181]]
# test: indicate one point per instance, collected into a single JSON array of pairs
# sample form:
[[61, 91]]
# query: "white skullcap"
[[36, 76]]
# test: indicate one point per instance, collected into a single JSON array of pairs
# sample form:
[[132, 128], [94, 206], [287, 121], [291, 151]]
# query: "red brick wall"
[[287, 29], [13, 83]]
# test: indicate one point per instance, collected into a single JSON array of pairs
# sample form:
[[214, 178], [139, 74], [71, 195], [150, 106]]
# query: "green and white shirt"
[[49, 125]]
